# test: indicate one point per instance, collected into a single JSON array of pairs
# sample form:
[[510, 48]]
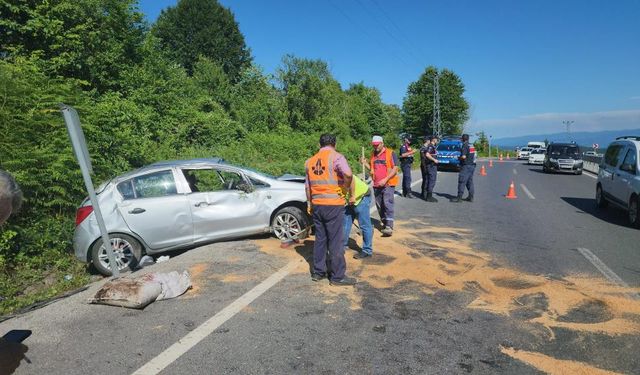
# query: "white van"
[[535, 145]]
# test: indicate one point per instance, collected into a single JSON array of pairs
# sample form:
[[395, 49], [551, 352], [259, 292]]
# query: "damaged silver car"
[[186, 203]]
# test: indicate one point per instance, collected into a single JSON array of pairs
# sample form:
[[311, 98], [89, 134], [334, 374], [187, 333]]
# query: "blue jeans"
[[362, 213]]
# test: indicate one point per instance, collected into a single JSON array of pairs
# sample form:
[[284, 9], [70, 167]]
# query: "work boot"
[[387, 232], [430, 198], [469, 198], [457, 199]]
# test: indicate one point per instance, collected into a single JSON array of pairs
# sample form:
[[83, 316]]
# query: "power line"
[[388, 32], [366, 33]]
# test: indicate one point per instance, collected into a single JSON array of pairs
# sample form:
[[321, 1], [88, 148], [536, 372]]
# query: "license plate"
[[443, 161]]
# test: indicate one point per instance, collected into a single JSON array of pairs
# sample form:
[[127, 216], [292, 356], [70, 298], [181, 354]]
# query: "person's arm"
[[407, 153], [430, 157], [465, 151], [365, 162], [307, 190]]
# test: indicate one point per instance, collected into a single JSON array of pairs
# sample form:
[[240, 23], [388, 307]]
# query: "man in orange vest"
[[327, 173], [383, 165]]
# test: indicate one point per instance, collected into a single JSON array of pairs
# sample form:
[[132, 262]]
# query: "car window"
[[257, 183], [449, 147], [157, 184], [629, 162], [612, 156], [211, 180], [564, 150], [126, 189]]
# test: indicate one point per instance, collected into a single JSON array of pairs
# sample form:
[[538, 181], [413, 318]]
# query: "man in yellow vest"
[[384, 172], [327, 175], [357, 207]]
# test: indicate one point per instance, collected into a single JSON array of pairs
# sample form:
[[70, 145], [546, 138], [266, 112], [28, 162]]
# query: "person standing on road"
[[467, 168], [10, 196], [429, 168], [357, 207], [406, 161], [327, 174], [384, 171]]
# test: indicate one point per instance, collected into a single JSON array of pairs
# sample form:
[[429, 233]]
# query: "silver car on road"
[[185, 203]]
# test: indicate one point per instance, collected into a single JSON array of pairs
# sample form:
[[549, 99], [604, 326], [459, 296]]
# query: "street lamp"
[[568, 123]]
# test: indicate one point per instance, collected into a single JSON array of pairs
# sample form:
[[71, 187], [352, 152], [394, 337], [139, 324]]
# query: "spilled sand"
[[552, 365], [441, 258]]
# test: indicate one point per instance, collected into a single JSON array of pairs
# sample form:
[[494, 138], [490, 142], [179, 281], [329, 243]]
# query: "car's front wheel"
[[634, 215], [288, 223], [601, 202], [127, 252]]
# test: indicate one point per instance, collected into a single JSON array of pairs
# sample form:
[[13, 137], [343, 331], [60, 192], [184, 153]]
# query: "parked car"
[[590, 153], [183, 203], [523, 153], [449, 153], [619, 177], [534, 145], [537, 156], [563, 157]]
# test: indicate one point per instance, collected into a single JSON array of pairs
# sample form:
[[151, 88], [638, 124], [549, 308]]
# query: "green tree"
[[482, 143], [418, 104], [195, 28], [314, 99], [90, 40]]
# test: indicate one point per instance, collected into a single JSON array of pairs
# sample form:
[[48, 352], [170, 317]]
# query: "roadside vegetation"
[[149, 92]]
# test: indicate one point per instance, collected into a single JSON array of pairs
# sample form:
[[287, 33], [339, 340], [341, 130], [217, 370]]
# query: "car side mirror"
[[245, 187]]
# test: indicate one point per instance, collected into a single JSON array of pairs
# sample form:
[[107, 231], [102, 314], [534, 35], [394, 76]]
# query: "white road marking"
[[514, 171], [606, 271], [526, 191], [183, 345], [590, 175]]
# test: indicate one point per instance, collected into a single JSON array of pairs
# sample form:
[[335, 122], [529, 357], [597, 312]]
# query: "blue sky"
[[526, 65]]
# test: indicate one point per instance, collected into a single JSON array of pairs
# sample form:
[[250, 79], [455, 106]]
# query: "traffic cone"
[[511, 194], [490, 163], [500, 159], [483, 172], [507, 156]]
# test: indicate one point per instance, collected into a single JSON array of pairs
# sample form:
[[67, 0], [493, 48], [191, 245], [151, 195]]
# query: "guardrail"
[[591, 163]]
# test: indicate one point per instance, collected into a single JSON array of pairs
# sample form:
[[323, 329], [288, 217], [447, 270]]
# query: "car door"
[[624, 175], [155, 211], [608, 168], [221, 204]]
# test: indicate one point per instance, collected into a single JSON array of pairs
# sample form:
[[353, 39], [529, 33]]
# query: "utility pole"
[[436, 126], [568, 123]]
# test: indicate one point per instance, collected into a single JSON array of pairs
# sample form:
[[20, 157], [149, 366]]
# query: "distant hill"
[[602, 138]]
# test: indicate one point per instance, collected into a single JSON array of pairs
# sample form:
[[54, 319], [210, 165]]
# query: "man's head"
[[327, 140], [407, 138], [377, 143], [10, 196], [434, 139], [465, 138]]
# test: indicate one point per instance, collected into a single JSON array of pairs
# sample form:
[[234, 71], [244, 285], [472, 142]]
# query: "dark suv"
[[563, 157]]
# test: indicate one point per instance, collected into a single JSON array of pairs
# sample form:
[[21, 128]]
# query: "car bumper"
[[82, 240], [538, 162], [577, 167]]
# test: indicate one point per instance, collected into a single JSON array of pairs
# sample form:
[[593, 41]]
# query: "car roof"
[[170, 164]]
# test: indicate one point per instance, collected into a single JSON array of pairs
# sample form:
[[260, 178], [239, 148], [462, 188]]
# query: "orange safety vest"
[[389, 163], [324, 182]]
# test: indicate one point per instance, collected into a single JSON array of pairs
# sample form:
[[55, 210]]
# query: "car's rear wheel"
[[634, 215], [601, 201], [127, 251], [288, 223]]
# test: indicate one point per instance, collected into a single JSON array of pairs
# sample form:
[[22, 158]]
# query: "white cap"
[[377, 139]]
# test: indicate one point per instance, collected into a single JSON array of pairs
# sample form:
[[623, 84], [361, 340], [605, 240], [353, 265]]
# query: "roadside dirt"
[[430, 259]]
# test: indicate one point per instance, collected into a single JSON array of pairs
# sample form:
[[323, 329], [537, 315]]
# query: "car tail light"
[[82, 214]]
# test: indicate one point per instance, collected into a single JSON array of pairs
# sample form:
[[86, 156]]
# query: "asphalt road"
[[493, 286]]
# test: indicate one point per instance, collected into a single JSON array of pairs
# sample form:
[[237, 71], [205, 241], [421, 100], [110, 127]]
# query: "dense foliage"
[[146, 94]]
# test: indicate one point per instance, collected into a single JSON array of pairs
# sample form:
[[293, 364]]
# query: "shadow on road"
[[445, 195], [610, 214]]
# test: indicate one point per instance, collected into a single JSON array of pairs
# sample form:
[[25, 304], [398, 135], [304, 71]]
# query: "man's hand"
[[352, 200], [309, 209]]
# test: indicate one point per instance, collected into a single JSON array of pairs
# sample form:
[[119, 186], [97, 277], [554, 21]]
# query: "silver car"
[[185, 203]]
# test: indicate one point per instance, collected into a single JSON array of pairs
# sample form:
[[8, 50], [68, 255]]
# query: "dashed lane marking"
[[183, 345], [514, 171], [526, 191], [606, 271]]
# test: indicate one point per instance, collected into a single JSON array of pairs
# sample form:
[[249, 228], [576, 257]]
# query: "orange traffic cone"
[[490, 163], [511, 194], [500, 159], [483, 172]]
